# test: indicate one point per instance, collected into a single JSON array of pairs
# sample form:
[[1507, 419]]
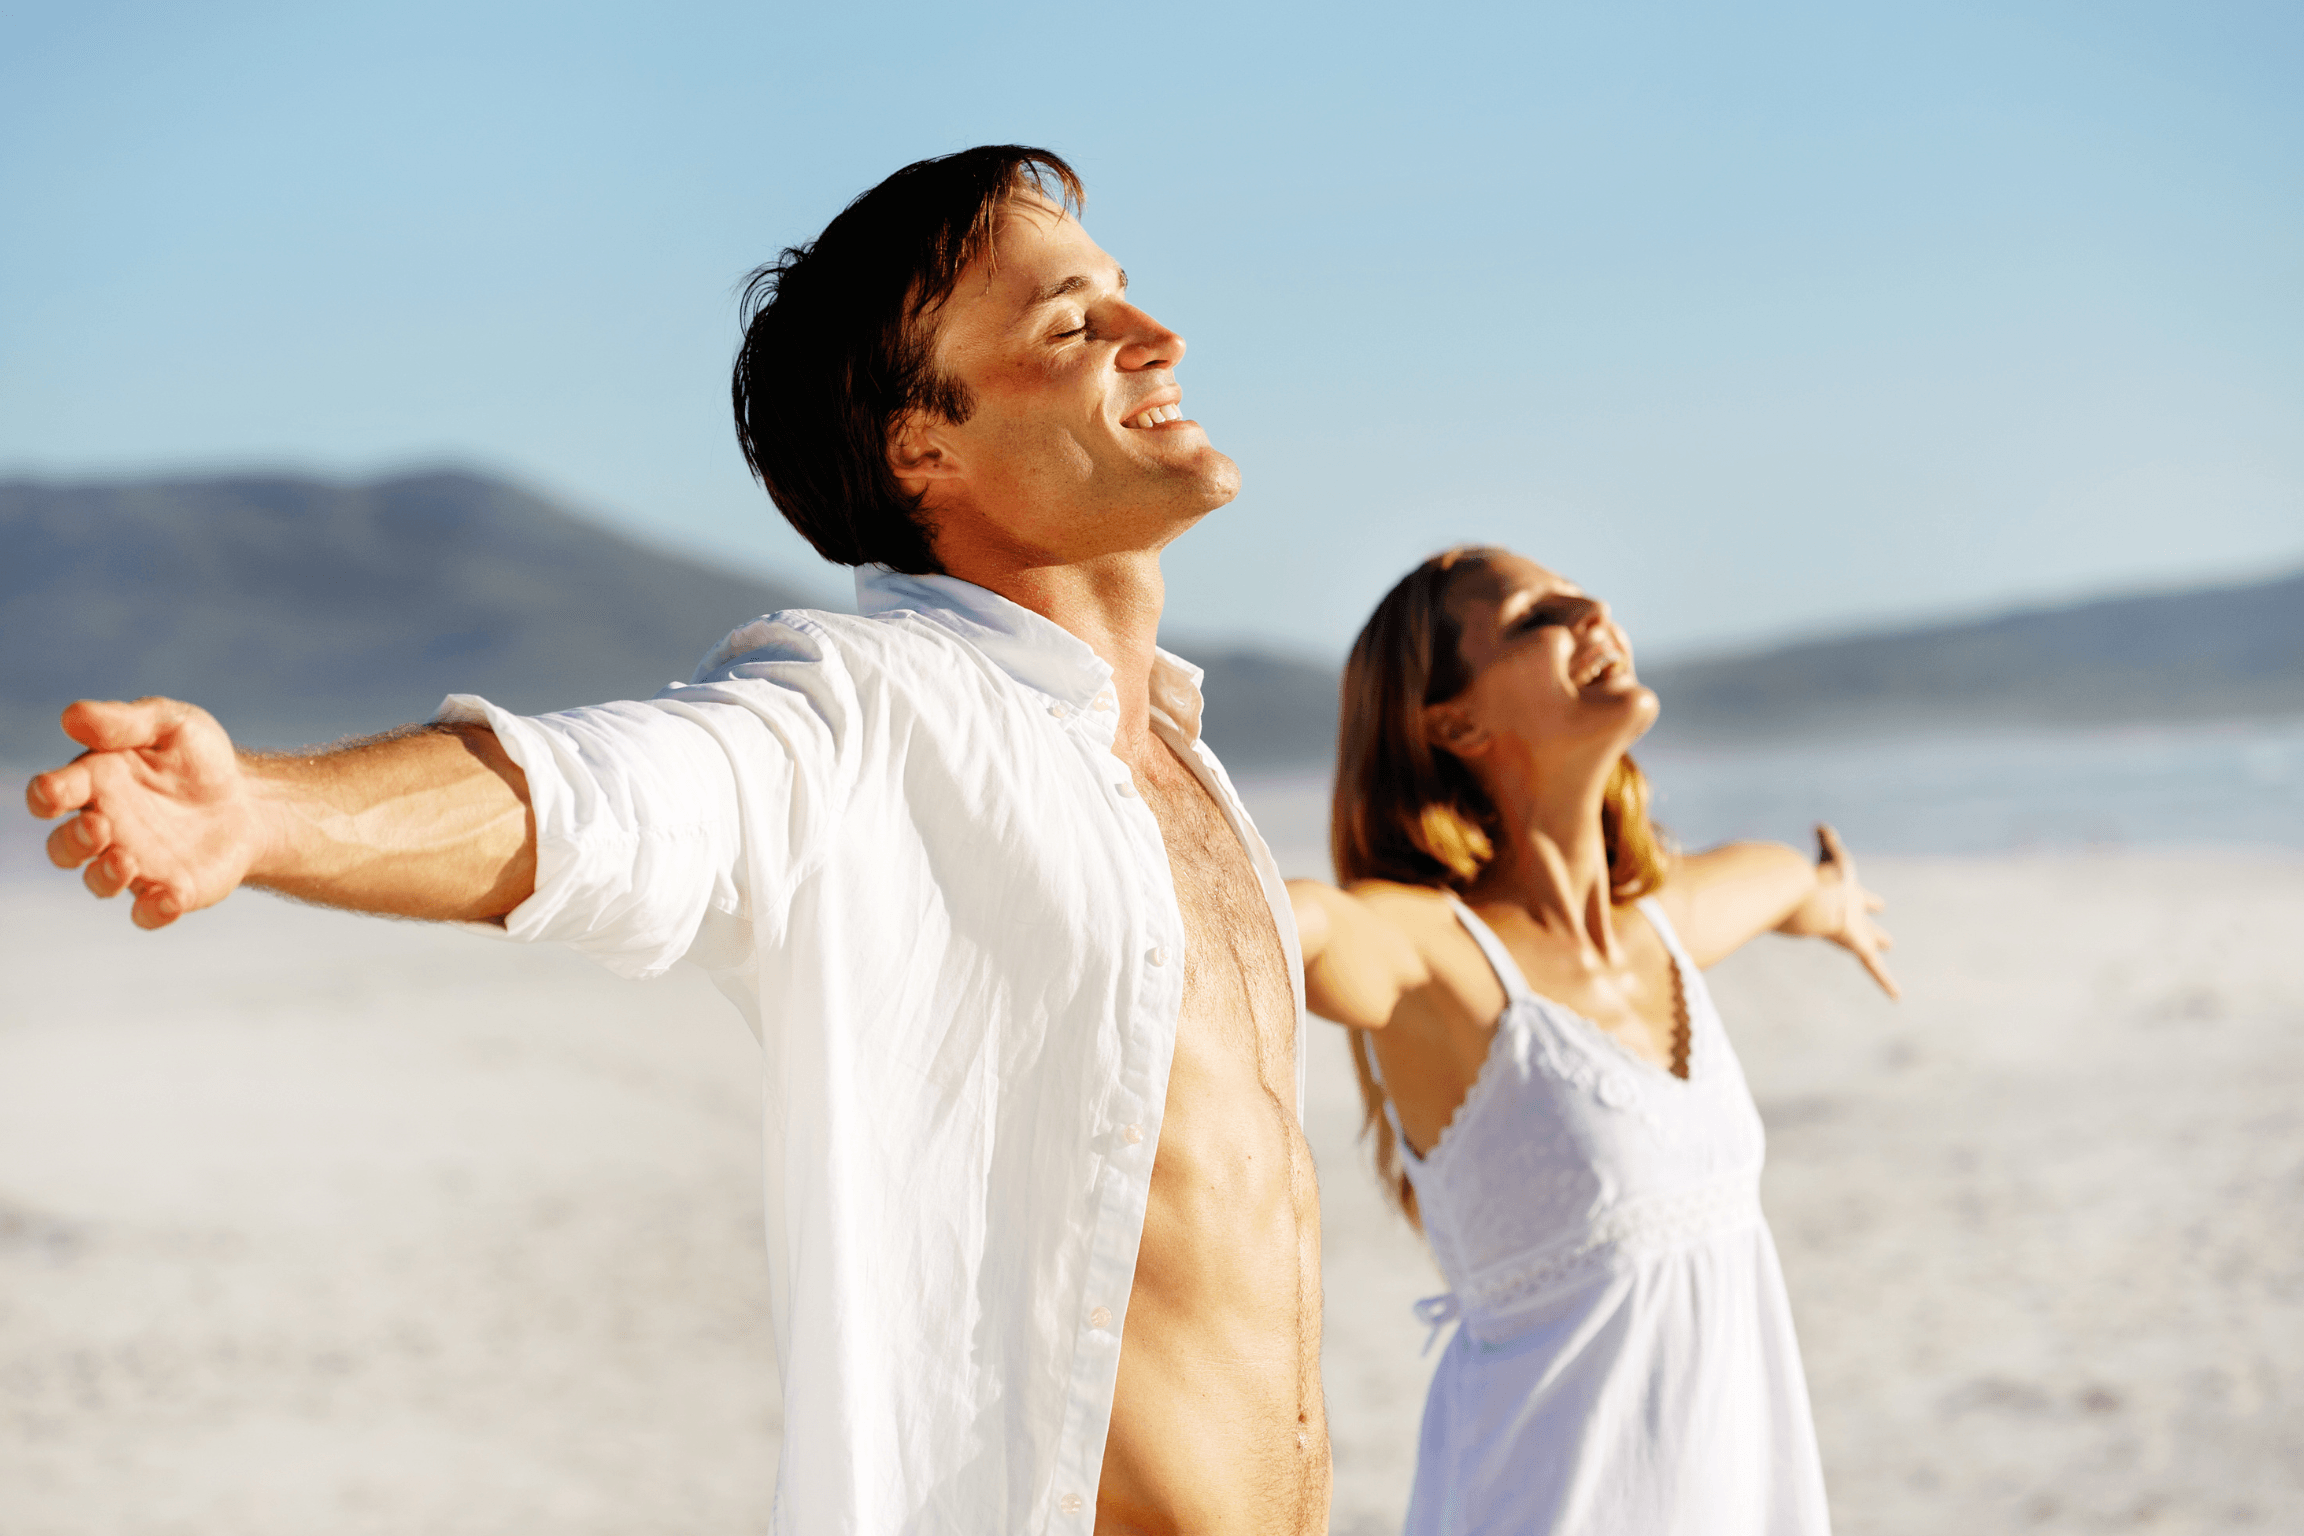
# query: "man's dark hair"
[[837, 345]]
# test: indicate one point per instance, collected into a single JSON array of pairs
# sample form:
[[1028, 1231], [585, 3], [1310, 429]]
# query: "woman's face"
[[1550, 668]]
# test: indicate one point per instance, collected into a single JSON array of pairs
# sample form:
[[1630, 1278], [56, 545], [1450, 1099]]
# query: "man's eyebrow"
[[1069, 285]]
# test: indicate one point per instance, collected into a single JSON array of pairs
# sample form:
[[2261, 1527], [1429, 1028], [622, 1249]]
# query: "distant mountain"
[[2230, 652], [299, 610], [1265, 710]]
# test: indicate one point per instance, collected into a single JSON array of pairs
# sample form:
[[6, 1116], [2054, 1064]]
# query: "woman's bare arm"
[[433, 822], [1357, 965], [1723, 898]]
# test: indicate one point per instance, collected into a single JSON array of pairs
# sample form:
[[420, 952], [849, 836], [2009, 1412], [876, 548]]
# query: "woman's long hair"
[[1411, 812]]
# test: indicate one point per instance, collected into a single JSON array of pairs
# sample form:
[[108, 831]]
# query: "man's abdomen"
[[1217, 1423]]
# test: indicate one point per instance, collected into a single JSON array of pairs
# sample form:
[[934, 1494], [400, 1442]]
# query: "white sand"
[[311, 1224]]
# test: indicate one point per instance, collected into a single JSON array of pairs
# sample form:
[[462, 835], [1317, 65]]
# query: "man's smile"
[[1154, 416]]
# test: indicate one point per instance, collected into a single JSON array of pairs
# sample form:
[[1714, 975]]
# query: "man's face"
[[1078, 445]]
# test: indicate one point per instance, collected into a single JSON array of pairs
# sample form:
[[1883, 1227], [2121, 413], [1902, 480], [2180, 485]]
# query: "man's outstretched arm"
[[433, 822]]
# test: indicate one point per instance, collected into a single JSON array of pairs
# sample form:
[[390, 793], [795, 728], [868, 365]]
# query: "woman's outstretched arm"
[[1357, 965], [1721, 899]]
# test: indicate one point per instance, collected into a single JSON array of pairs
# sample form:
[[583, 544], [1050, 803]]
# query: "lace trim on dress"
[[1511, 1025], [1647, 1226], [1511, 1028], [1685, 1046]]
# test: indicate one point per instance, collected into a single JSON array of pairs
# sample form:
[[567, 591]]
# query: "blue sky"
[[1759, 320]]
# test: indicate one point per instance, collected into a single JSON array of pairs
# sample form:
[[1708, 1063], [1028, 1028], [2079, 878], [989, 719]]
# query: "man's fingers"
[[107, 725], [72, 844], [155, 907], [59, 790], [1828, 844], [109, 875]]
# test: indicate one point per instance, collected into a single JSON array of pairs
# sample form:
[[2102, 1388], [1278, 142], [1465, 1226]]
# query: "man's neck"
[[1111, 603]]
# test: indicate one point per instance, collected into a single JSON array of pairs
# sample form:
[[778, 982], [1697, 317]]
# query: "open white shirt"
[[902, 846]]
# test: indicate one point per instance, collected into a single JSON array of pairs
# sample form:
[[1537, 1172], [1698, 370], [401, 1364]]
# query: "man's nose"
[[1150, 344]]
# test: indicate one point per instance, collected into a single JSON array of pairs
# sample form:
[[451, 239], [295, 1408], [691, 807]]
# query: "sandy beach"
[[311, 1224]]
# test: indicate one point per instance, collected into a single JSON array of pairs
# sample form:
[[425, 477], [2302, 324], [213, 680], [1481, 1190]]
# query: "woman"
[[1518, 956]]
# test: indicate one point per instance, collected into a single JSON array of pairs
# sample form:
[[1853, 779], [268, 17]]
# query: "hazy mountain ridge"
[[2228, 652], [300, 609]]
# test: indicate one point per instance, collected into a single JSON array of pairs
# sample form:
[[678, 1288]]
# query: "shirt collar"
[[1031, 648]]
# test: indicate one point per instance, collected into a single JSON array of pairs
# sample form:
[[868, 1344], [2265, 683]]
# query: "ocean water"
[[2204, 786], [2201, 786]]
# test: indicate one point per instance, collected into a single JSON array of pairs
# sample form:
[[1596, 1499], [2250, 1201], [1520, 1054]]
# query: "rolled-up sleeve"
[[652, 814]]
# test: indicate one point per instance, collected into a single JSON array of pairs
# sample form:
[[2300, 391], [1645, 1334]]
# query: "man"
[[1042, 1223]]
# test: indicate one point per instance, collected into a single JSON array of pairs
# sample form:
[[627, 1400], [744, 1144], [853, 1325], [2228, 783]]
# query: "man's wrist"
[[276, 827]]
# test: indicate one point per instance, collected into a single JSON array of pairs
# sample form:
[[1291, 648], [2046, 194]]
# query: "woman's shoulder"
[[1425, 913], [1398, 899], [1463, 989]]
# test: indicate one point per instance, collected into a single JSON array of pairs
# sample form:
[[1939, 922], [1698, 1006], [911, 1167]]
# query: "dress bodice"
[[1626, 1364], [1571, 1156]]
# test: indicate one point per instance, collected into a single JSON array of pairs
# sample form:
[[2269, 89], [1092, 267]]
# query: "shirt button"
[[1058, 710], [1100, 1318], [1104, 701], [1156, 955], [1126, 787], [1071, 1504], [1132, 1134]]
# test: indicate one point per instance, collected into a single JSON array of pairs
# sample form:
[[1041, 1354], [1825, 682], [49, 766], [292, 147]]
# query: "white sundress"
[[1626, 1364]]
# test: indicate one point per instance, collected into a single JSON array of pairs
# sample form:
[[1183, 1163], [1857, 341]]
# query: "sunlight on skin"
[[429, 823]]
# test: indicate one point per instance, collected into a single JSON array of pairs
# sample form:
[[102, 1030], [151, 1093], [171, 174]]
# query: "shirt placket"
[[1128, 1134]]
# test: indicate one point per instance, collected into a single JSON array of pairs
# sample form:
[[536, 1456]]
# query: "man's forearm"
[[429, 823]]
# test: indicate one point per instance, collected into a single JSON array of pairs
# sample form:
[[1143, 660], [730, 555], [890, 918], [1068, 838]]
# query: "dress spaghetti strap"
[[1653, 910], [1516, 988]]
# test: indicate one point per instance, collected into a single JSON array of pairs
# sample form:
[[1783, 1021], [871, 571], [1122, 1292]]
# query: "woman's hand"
[[1840, 909]]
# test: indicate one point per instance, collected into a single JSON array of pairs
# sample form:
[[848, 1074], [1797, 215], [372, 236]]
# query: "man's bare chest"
[[1236, 978]]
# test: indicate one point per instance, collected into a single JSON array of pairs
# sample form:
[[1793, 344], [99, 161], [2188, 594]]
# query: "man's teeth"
[[1155, 416]]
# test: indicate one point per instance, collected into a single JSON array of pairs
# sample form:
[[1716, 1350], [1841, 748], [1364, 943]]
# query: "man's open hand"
[[164, 808]]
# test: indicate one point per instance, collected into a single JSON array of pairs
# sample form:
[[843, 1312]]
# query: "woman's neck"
[[1552, 859]]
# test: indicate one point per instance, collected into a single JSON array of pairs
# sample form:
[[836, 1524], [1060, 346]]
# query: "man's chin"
[[1219, 479]]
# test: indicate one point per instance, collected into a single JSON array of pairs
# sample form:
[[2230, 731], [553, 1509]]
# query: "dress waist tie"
[[1437, 1312]]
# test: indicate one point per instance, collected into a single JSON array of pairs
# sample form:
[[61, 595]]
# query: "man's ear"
[[1448, 726], [920, 451]]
